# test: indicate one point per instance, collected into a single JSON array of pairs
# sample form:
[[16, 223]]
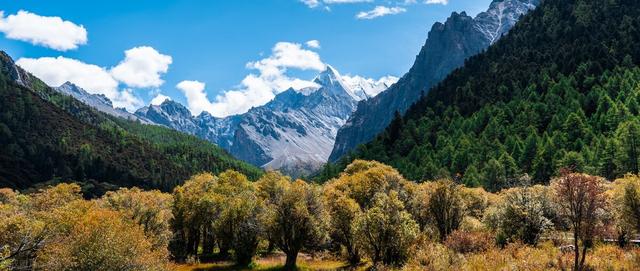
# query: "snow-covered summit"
[[97, 101], [294, 132]]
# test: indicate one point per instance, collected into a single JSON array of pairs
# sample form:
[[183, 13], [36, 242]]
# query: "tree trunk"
[[576, 263], [209, 241], [290, 263], [584, 254], [272, 247], [354, 256], [193, 239], [224, 250]]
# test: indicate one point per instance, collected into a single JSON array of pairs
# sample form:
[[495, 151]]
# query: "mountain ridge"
[[561, 90], [294, 132], [47, 136], [448, 45]]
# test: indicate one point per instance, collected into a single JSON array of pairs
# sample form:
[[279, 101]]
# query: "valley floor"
[[271, 262]]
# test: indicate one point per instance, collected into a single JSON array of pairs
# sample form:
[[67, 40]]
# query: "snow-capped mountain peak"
[[501, 16], [358, 88], [294, 132], [330, 79], [74, 90], [330, 76], [97, 101], [448, 45], [367, 88]]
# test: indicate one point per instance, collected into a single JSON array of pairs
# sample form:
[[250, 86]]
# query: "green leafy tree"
[[446, 208], [386, 230], [523, 215], [237, 224], [295, 217]]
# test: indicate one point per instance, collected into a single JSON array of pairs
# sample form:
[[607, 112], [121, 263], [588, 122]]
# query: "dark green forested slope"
[[562, 89], [48, 136]]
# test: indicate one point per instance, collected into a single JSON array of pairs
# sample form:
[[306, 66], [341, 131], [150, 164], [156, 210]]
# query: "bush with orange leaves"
[[101, 240], [55, 229]]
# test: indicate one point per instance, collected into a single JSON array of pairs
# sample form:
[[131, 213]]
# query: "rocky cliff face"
[[97, 101], [447, 46], [294, 133]]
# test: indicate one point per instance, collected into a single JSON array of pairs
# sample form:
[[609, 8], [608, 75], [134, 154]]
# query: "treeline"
[[560, 90], [47, 136], [370, 215]]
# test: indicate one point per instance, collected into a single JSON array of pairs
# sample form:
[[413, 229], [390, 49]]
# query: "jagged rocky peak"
[[448, 45], [294, 132], [81, 94], [501, 16], [175, 109], [16, 74], [97, 101], [330, 76], [331, 81]]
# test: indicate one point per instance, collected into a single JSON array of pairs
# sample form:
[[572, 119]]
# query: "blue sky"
[[211, 42]]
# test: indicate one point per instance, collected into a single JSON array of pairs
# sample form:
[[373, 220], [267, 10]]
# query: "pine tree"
[[628, 135]]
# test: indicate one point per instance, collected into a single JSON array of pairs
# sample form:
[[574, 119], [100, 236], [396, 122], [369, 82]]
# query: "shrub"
[[515, 256], [609, 257], [432, 256], [521, 216], [149, 209], [446, 207], [101, 240], [386, 231], [469, 242]]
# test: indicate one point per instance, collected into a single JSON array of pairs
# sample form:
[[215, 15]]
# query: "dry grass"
[[435, 256], [271, 262], [520, 257]]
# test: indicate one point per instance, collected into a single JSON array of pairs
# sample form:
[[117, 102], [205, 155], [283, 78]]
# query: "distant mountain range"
[[449, 44], [98, 101], [294, 132], [48, 135], [300, 130]]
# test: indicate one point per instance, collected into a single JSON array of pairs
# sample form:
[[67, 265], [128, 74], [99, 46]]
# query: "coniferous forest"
[[47, 136], [560, 90]]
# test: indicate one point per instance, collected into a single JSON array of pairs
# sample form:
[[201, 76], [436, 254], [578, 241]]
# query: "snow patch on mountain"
[[98, 101], [448, 45], [294, 132]]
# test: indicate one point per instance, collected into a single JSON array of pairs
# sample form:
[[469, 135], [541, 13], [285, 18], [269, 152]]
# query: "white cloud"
[[329, 2], [442, 2], [317, 3], [380, 11], [287, 55], [57, 71], [94, 79], [142, 67], [315, 44], [256, 89], [311, 3], [127, 99], [51, 32], [159, 99], [196, 97]]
